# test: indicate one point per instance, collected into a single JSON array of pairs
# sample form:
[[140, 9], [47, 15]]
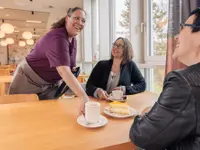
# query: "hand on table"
[[102, 94]]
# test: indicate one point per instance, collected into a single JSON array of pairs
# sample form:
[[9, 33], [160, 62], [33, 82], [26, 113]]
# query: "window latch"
[[142, 27]]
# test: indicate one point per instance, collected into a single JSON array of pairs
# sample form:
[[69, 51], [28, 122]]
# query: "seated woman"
[[173, 123], [120, 72]]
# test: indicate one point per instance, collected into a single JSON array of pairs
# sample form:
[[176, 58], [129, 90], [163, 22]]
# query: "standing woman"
[[52, 59]]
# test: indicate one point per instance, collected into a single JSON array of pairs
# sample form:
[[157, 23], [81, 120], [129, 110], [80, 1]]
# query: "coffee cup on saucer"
[[117, 94], [92, 112]]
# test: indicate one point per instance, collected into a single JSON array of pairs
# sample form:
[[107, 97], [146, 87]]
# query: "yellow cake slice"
[[119, 108]]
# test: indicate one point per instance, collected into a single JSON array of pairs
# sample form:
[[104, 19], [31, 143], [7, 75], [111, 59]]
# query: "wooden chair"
[[15, 98], [4, 72], [83, 78]]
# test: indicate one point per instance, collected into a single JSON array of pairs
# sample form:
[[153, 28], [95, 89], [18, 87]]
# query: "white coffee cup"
[[92, 112], [118, 94]]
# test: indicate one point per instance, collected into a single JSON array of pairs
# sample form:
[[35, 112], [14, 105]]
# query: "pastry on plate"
[[119, 108]]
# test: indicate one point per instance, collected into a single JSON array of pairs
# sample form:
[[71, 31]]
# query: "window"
[[157, 76], [158, 23], [95, 29], [156, 18], [154, 78], [121, 19], [90, 54], [144, 23]]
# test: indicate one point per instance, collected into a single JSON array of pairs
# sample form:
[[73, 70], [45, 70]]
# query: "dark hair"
[[61, 23], [196, 21], [128, 50]]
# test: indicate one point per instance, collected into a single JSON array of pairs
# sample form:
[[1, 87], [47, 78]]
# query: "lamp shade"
[[9, 40], [27, 35], [30, 42], [4, 43], [22, 43], [7, 28], [2, 34]]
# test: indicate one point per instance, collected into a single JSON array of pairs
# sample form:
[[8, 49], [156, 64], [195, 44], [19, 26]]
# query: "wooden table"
[[52, 125], [4, 82]]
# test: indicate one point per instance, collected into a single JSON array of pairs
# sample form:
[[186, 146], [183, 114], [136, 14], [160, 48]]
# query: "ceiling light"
[[7, 28], [30, 42], [22, 43], [2, 34], [33, 21], [9, 40], [27, 35], [4, 43]]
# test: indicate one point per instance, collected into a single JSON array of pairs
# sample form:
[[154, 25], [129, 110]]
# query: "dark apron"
[[26, 81]]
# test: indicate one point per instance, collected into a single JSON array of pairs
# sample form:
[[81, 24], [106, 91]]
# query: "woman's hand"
[[84, 100], [102, 94], [72, 82]]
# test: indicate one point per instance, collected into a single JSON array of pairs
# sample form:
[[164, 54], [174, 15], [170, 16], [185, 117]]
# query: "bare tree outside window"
[[160, 23], [124, 22], [122, 19]]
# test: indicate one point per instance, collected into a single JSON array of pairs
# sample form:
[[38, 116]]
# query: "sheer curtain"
[[179, 11]]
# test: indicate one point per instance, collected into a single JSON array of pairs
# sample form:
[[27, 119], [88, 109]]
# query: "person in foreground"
[[118, 73], [173, 123], [52, 59]]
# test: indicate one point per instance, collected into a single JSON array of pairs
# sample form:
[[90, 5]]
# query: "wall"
[[3, 55]]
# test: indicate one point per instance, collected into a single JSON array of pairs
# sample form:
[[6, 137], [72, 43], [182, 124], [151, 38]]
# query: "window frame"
[[140, 37], [113, 20], [148, 40]]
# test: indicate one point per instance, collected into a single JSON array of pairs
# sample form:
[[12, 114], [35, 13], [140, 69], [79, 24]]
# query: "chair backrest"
[[63, 87], [4, 72], [15, 98]]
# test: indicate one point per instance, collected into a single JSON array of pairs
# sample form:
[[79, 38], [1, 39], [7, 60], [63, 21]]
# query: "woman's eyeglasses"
[[188, 25], [76, 18], [118, 46]]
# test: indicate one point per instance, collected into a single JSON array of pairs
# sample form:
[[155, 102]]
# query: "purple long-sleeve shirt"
[[52, 50]]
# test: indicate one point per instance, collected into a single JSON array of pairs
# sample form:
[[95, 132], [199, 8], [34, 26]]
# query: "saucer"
[[133, 112], [111, 98], [102, 122]]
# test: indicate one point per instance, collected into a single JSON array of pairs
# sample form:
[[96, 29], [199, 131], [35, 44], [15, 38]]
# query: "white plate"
[[115, 115], [102, 122]]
